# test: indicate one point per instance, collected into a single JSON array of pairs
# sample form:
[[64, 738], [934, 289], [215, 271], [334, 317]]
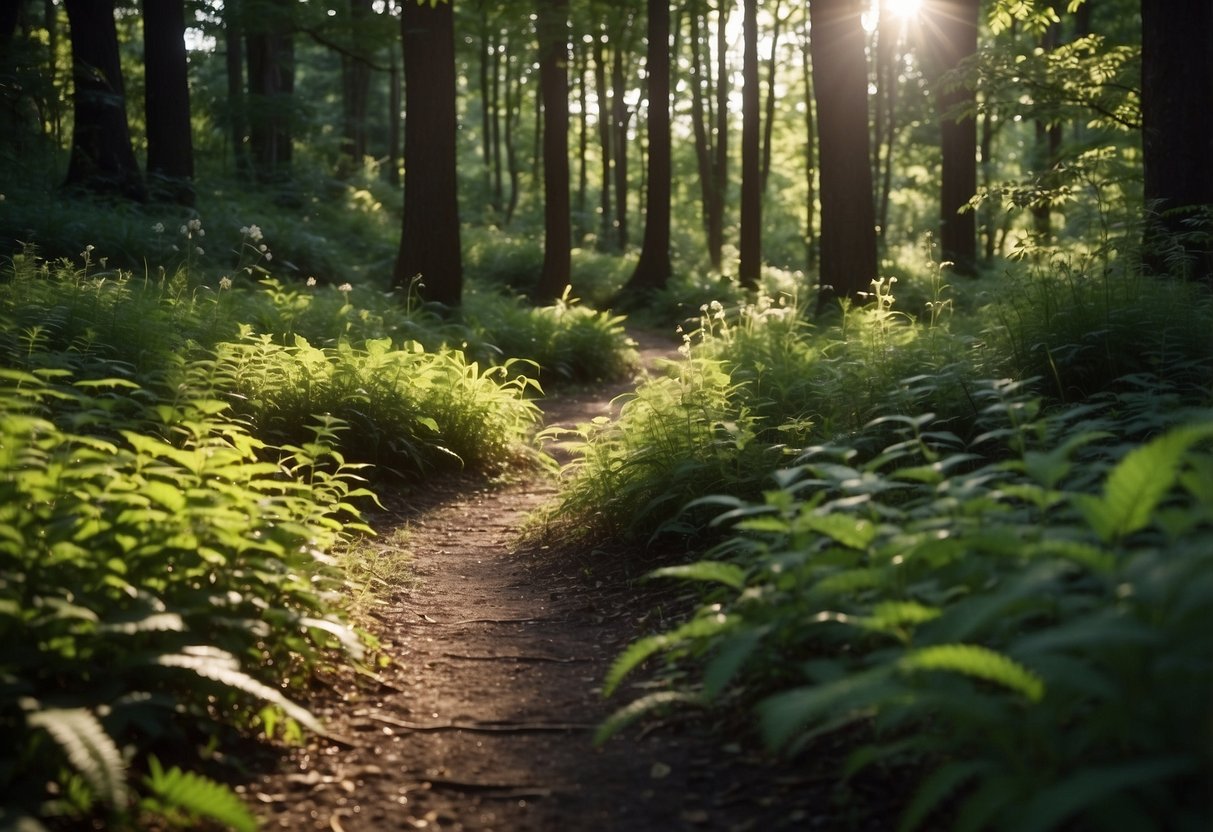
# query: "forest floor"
[[484, 717]]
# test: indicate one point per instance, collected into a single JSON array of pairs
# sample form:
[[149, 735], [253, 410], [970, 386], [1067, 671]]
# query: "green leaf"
[[786, 714], [1139, 482], [938, 786], [978, 662], [633, 711], [711, 571], [199, 796], [88, 748], [729, 659], [638, 651]]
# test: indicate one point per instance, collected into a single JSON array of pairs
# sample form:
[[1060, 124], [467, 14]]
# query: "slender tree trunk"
[[953, 24], [233, 41], [888, 63], [356, 88], [605, 237], [170, 144], [720, 165], [513, 117], [699, 124], [393, 124], [768, 125], [554, 84], [750, 271], [848, 219], [653, 269], [50, 19], [429, 242], [102, 159], [620, 118], [271, 86], [810, 151], [1177, 81], [583, 138], [1047, 151], [486, 104], [500, 55], [989, 212]]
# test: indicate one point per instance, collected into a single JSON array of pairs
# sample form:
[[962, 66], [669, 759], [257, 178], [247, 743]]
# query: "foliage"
[[1029, 633]]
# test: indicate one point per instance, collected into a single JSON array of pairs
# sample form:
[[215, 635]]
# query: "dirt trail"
[[484, 719]]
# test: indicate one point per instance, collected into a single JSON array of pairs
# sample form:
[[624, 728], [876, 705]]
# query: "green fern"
[[638, 651], [978, 662], [710, 571], [89, 749], [182, 791], [641, 708]]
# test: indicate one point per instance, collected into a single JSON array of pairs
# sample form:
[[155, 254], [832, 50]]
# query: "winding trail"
[[483, 719]]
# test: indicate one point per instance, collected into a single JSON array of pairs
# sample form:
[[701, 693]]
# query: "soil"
[[484, 717]]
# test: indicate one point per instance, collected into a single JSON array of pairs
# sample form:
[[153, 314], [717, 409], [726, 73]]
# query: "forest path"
[[484, 719]]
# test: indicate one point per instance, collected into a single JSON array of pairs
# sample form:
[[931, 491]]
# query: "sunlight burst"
[[905, 9]]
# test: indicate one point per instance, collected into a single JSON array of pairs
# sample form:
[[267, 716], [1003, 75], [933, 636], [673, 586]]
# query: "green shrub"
[[1029, 639]]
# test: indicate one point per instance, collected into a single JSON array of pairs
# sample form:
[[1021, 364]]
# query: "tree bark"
[[394, 106], [233, 41], [810, 151], [271, 86], [653, 269], [581, 60], [429, 243], [170, 144], [848, 221], [620, 116], [768, 126], [750, 270], [356, 89], [952, 25], [552, 27], [1177, 81], [102, 159]]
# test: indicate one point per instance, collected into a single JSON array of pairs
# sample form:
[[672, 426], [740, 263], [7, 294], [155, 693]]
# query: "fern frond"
[[638, 651], [978, 662], [89, 749], [633, 711], [199, 796], [221, 666], [711, 571]]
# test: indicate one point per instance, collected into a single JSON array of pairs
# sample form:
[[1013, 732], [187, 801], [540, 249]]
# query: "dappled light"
[[605, 415]]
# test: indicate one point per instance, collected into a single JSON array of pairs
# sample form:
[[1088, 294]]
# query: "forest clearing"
[[585, 415]]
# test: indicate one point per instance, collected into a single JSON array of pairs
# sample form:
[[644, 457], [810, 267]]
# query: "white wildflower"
[[158, 228], [268, 257], [346, 288], [263, 247], [89, 247], [311, 281], [225, 282], [198, 250], [184, 230]]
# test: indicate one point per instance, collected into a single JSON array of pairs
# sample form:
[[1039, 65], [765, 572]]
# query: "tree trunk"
[[552, 27], [170, 145], [620, 116], [888, 62], [720, 144], [1047, 151], [513, 116], [356, 89], [953, 28], [394, 106], [271, 86], [848, 221], [102, 159], [810, 152], [1177, 82], [750, 271], [429, 243], [583, 139], [768, 126], [486, 104], [605, 237], [233, 41], [653, 269]]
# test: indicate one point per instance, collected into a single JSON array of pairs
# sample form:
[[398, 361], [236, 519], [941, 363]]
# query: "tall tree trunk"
[[1177, 81], [500, 55], [513, 117], [768, 125], [653, 269], [720, 142], [1047, 151], [356, 88], [888, 63], [233, 42], [953, 28], [605, 238], [429, 242], [620, 116], [750, 271], [810, 151], [394, 107], [271, 86], [552, 26], [102, 159], [583, 137], [848, 219], [486, 104], [170, 144], [699, 124]]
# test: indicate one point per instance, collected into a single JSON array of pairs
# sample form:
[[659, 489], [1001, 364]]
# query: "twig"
[[493, 621], [507, 791]]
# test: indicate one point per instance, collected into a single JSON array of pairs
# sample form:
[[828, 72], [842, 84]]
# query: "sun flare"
[[905, 9]]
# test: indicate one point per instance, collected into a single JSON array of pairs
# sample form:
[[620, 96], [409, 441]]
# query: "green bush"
[[1028, 639]]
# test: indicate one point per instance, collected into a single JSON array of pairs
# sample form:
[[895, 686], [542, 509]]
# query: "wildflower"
[[158, 228], [184, 231], [1, 197], [225, 282], [198, 250], [89, 247], [268, 257], [195, 225], [253, 232], [311, 281], [262, 248], [201, 232], [345, 288]]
